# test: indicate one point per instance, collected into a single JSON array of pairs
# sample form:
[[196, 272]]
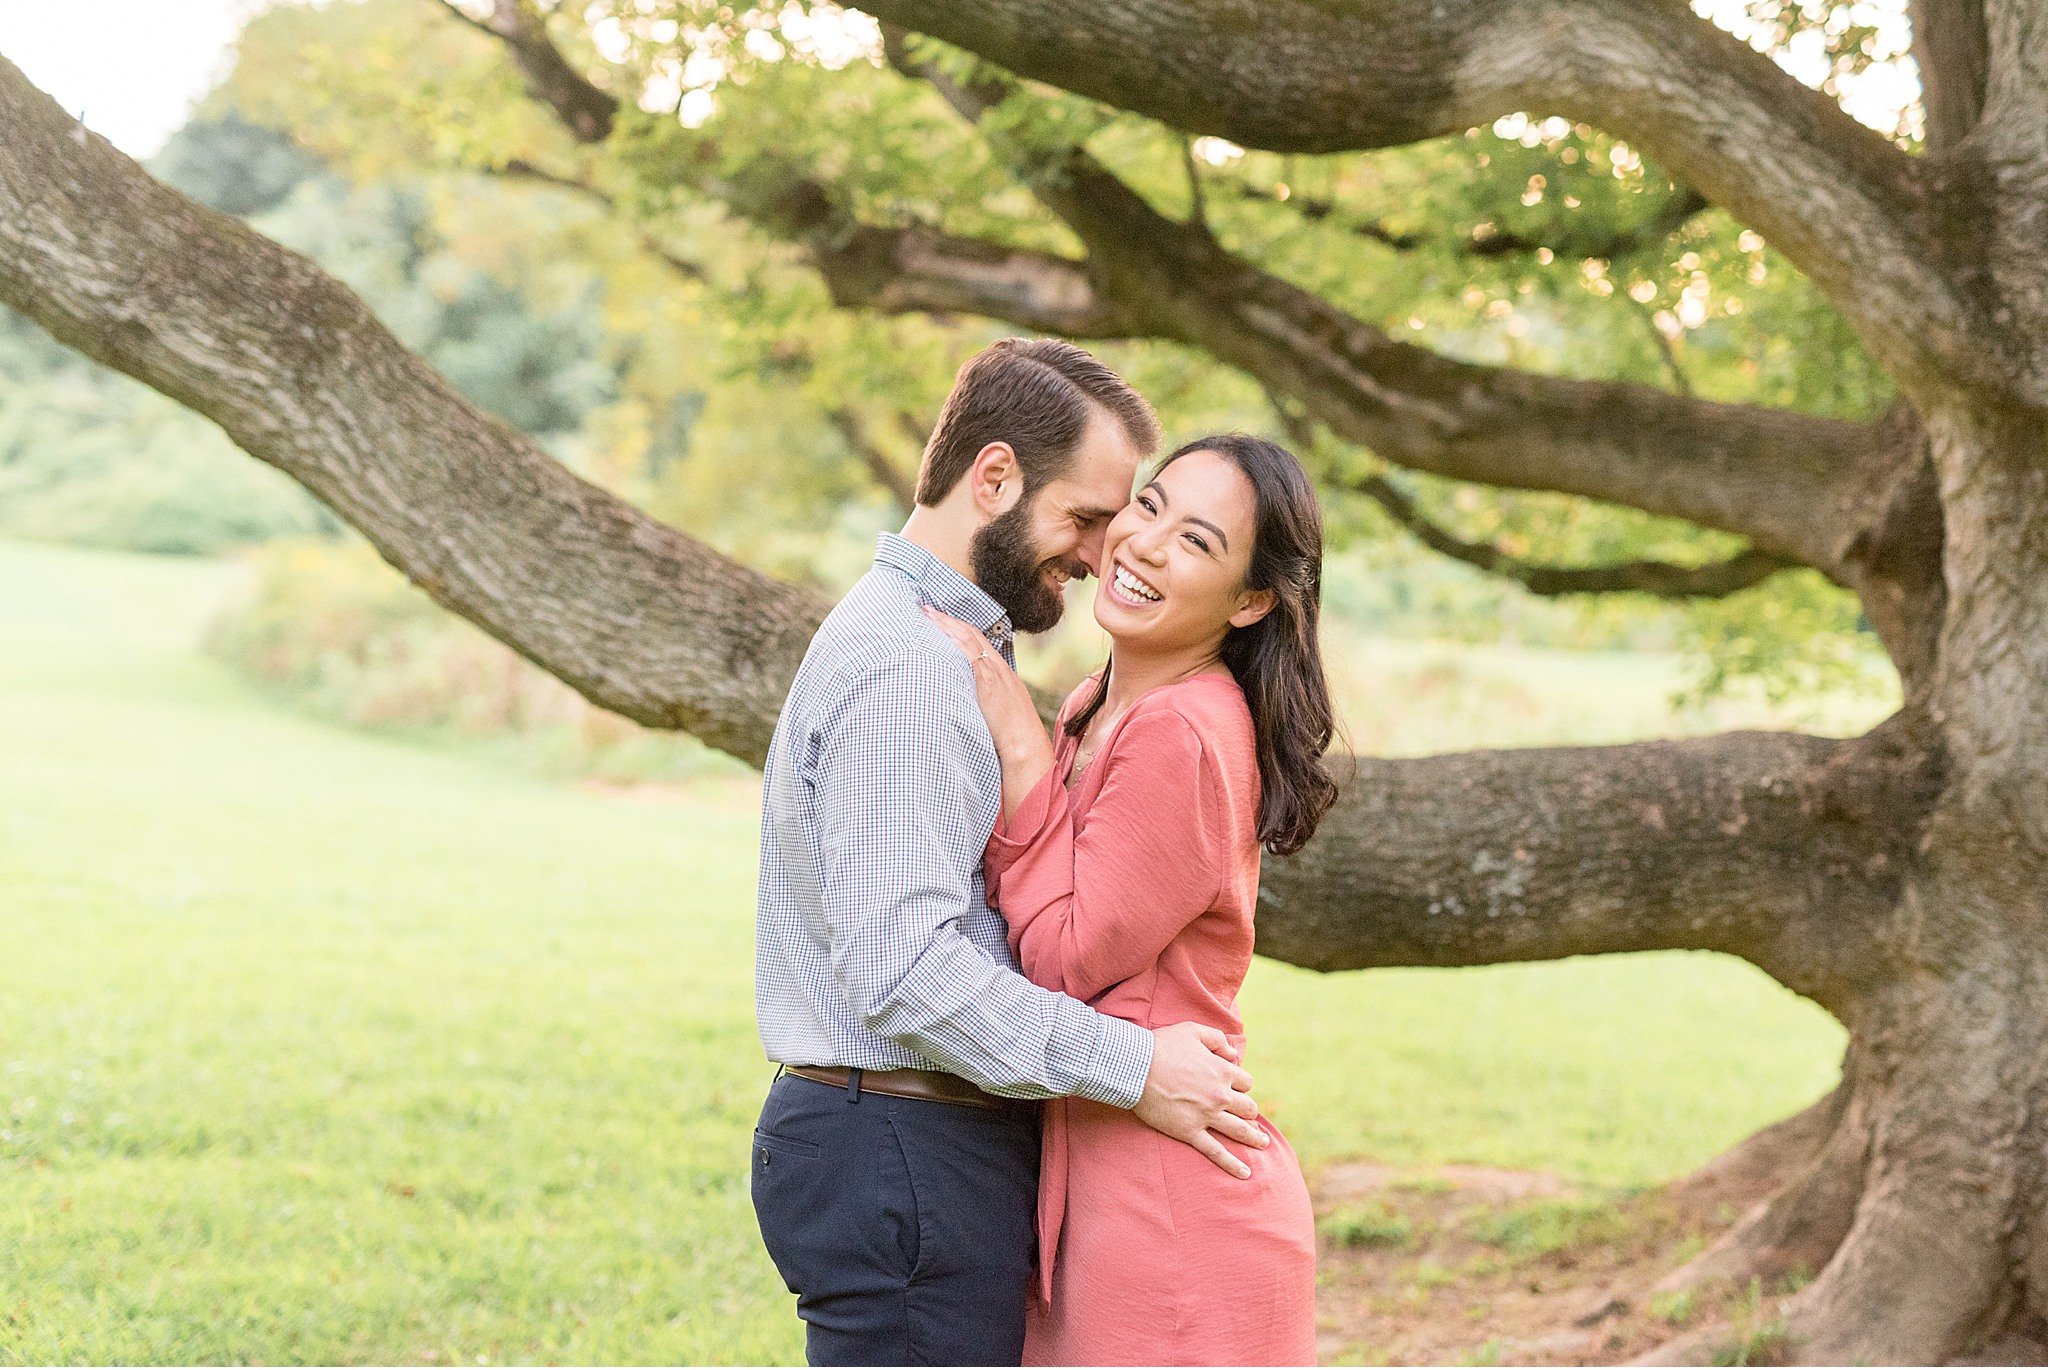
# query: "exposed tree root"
[[1796, 1229], [1923, 1273], [1762, 1163], [1907, 1212], [1799, 1227], [1788, 1219]]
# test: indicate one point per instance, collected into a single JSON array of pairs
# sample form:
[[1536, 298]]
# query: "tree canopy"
[[1537, 244]]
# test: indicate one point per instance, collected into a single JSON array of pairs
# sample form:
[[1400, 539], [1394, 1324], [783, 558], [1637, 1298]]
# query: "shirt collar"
[[944, 588]]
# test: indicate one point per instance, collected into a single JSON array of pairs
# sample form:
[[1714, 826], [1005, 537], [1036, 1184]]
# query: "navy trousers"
[[903, 1226]]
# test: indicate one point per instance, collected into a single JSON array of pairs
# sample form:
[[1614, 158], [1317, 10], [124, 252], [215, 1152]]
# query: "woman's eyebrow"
[[1160, 490], [1221, 536]]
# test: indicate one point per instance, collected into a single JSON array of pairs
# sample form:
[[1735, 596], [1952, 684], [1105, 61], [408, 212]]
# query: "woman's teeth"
[[1135, 588]]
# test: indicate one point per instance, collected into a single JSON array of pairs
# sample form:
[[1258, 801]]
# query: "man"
[[895, 1169]]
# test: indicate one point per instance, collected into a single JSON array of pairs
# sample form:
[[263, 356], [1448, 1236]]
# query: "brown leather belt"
[[933, 1086]]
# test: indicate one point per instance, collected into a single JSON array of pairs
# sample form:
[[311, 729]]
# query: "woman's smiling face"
[[1174, 561]]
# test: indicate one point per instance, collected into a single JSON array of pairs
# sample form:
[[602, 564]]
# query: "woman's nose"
[[1149, 545]]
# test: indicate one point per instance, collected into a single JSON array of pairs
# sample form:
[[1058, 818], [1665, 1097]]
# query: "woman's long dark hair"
[[1278, 661]]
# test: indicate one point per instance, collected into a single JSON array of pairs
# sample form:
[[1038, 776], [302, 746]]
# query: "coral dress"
[[1131, 886]]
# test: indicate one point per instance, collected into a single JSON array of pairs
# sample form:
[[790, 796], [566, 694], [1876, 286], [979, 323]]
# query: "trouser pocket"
[[833, 1196], [903, 1227], [794, 1189]]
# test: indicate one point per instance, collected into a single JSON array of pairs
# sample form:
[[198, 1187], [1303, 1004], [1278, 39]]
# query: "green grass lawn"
[[316, 1046]]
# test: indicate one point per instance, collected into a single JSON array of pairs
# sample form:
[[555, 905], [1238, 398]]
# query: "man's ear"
[[1257, 604], [995, 480]]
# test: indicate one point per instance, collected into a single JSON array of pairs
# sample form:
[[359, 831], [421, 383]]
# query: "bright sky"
[[133, 67]]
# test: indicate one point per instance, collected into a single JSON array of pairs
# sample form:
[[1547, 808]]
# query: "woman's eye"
[[1199, 544]]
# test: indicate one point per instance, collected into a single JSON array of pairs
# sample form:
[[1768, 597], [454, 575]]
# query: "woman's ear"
[[995, 480], [1255, 606]]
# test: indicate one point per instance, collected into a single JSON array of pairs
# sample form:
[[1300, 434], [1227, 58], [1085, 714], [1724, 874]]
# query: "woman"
[[1126, 863]]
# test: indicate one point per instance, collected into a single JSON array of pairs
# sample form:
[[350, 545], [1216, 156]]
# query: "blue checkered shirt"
[[875, 945]]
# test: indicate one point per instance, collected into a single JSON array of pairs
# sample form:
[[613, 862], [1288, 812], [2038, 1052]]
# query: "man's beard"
[[1007, 565]]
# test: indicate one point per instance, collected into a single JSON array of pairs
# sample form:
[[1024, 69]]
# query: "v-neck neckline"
[[1073, 772]]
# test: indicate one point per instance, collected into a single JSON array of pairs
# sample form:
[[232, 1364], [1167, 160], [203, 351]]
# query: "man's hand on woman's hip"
[[1197, 1091]]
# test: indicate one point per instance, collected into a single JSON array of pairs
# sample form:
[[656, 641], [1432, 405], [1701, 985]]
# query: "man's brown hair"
[[1036, 394]]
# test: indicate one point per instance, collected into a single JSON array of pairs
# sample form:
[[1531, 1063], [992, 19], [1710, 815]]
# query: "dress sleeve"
[[1089, 910]]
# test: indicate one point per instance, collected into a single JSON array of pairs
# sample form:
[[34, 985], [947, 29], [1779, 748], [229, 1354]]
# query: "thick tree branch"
[[916, 269], [1837, 198], [2016, 81], [1713, 580], [1948, 48], [1670, 454], [1802, 489], [1771, 846], [1664, 579], [2006, 180], [1795, 485]]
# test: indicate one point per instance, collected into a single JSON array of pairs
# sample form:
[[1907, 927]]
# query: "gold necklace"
[[1102, 725], [1086, 744]]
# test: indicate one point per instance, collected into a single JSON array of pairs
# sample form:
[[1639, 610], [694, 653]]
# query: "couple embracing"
[[998, 967]]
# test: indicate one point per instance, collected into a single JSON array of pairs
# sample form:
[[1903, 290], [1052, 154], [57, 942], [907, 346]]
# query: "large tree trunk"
[[1948, 1237], [1921, 1197]]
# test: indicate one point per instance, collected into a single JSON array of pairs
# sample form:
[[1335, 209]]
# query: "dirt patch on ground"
[[1467, 1265]]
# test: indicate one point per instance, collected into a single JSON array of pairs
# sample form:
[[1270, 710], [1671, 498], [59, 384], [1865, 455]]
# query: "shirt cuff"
[[1123, 1060], [1013, 836]]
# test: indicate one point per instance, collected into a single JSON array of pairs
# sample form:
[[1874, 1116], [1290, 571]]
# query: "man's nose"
[[1089, 552]]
